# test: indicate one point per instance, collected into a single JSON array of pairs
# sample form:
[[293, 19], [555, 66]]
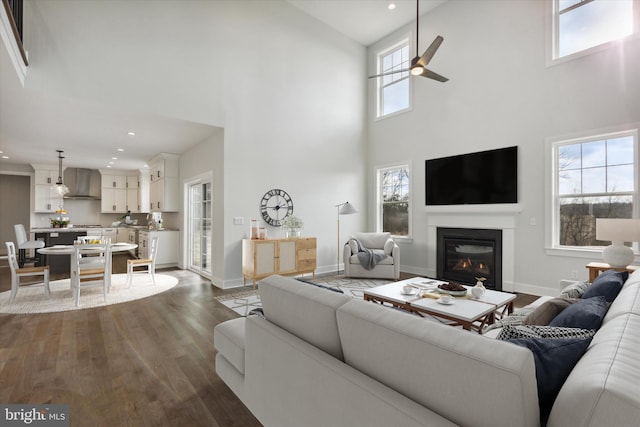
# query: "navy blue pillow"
[[338, 290], [607, 284], [554, 359], [584, 314]]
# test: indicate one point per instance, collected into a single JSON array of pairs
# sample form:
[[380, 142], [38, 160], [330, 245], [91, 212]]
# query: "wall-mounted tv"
[[485, 177]]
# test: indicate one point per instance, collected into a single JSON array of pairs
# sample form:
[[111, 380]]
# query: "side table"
[[596, 268]]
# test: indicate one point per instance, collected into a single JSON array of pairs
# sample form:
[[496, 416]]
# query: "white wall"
[[288, 90], [501, 94]]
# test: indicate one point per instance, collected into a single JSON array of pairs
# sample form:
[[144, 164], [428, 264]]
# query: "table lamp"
[[618, 231]]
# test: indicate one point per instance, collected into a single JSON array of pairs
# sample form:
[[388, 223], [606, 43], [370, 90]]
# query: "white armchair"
[[386, 268]]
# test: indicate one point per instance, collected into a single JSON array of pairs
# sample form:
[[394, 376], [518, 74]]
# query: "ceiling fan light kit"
[[419, 63]]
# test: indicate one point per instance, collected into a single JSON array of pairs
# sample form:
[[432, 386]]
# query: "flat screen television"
[[485, 177]]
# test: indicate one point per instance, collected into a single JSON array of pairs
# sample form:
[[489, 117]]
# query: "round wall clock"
[[275, 206]]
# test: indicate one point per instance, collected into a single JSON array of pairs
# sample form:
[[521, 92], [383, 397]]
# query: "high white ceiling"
[[34, 124]]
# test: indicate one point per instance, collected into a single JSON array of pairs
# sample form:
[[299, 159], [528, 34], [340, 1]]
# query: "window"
[[393, 89], [595, 177], [200, 227], [581, 25], [394, 200]]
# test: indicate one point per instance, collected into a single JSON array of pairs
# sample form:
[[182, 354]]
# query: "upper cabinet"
[[164, 188], [46, 197]]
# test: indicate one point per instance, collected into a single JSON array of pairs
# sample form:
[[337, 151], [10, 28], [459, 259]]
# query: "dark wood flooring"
[[145, 362]]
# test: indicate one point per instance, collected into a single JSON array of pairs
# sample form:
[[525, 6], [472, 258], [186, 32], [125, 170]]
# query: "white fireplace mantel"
[[505, 221]]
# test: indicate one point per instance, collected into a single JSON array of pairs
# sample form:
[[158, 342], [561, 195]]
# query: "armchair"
[[386, 268]]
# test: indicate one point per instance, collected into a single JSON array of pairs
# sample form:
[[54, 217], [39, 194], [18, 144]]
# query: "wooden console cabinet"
[[262, 258]]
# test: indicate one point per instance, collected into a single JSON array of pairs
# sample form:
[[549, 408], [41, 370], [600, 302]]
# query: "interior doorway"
[[15, 193], [199, 222]]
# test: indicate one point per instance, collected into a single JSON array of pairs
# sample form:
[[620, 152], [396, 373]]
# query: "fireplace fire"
[[465, 254]]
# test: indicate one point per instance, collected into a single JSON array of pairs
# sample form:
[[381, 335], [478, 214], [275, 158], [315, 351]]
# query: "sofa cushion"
[[607, 284], [372, 240], [585, 314], [575, 290], [229, 339], [305, 311], [546, 312], [554, 359], [534, 331], [441, 367]]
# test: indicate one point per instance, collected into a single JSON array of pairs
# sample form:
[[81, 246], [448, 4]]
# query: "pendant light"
[[60, 187]]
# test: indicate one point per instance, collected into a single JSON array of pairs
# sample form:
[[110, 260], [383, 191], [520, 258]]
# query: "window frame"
[[553, 30], [553, 246], [379, 171], [379, 54]]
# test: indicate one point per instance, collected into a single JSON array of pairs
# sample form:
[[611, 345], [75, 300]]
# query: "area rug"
[[32, 299], [243, 302]]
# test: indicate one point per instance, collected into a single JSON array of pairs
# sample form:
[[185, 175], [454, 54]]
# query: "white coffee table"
[[466, 311]]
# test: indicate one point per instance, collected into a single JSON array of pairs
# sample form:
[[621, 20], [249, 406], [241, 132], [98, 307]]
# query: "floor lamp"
[[345, 208]]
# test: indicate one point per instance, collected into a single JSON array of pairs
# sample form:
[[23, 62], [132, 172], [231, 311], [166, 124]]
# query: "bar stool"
[[24, 244]]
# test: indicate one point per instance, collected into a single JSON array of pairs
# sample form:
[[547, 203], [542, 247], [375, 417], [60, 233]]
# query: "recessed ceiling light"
[[131, 133], [5, 157], [114, 158], [391, 6], [108, 166], [110, 163], [121, 149]]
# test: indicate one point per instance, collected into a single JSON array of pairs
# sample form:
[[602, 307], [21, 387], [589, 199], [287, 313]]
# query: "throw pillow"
[[338, 290], [575, 290], [554, 360], [585, 314], [607, 284], [547, 311], [533, 331]]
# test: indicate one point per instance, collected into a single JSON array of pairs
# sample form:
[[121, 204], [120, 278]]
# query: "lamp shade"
[[346, 208], [618, 230]]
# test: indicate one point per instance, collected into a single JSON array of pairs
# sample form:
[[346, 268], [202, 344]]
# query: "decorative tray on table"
[[453, 289]]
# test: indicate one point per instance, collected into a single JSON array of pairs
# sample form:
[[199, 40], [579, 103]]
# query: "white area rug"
[[32, 299], [243, 302]]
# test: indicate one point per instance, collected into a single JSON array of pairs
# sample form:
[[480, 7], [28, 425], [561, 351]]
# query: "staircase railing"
[[14, 13]]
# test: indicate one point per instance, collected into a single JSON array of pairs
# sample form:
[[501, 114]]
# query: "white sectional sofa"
[[319, 358]]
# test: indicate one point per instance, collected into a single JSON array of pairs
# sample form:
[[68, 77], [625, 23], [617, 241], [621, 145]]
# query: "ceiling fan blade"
[[431, 75], [431, 50], [404, 70]]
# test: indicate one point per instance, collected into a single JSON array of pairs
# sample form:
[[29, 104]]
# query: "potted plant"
[[292, 225]]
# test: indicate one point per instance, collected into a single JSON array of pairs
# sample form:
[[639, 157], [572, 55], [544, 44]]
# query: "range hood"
[[83, 184]]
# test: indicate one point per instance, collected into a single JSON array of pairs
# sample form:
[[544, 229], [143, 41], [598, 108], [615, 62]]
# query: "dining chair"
[[24, 244], [97, 272], [94, 257], [150, 263], [17, 273]]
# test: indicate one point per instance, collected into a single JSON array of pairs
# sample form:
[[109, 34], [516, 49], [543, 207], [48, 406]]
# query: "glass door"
[[200, 221]]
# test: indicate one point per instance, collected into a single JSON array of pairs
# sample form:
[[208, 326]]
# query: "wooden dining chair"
[[150, 263], [97, 272], [17, 273]]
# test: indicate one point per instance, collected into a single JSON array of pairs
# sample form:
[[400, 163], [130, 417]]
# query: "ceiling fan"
[[419, 63]]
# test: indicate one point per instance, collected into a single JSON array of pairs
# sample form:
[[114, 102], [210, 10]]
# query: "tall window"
[[394, 200], [200, 231], [393, 89], [580, 25], [594, 178]]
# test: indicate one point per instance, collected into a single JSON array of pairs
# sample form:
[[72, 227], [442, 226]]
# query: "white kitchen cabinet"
[[122, 235], [133, 193], [164, 187], [46, 196], [168, 246], [144, 188], [114, 200], [114, 180]]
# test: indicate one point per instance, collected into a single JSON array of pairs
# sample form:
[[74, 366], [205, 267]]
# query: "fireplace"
[[466, 253]]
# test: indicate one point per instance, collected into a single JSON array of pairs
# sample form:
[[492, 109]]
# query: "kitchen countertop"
[[88, 229]]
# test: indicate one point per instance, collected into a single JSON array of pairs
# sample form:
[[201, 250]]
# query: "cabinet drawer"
[[306, 243], [306, 254]]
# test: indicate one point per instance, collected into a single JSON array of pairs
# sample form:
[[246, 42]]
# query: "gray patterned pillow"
[[575, 290], [515, 318], [534, 331]]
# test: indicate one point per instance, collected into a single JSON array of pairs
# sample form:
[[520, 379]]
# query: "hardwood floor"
[[145, 362]]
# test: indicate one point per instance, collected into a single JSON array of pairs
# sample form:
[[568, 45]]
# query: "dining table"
[[70, 250]]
